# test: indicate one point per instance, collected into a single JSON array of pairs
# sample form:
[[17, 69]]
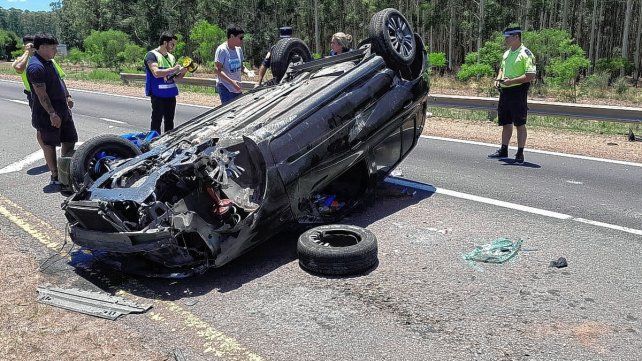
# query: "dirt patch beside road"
[[33, 331]]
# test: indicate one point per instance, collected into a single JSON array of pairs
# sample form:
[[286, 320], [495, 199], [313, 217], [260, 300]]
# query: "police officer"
[[284, 33], [161, 70], [516, 72]]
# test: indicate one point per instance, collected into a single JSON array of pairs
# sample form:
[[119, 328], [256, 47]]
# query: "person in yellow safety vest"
[[516, 73], [21, 63], [161, 70]]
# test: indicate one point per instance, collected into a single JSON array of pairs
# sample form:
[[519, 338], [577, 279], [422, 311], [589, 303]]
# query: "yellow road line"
[[215, 341]]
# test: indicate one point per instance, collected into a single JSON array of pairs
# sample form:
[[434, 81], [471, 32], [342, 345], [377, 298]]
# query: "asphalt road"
[[422, 301]]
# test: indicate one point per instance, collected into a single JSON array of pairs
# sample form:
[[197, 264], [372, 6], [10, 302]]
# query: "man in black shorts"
[[50, 113], [516, 72]]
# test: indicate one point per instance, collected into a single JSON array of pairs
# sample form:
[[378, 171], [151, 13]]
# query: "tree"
[[9, 42], [638, 38], [592, 41], [625, 35], [480, 28], [208, 37], [133, 54], [437, 60], [105, 48], [604, 28]]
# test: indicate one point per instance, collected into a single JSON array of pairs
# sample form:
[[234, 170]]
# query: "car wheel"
[[286, 51], [337, 250], [392, 38], [91, 159]]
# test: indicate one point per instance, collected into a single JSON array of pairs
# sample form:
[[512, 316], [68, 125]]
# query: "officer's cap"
[[285, 32], [512, 31]]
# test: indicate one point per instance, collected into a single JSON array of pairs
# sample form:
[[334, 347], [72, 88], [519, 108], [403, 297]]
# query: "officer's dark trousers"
[[163, 108]]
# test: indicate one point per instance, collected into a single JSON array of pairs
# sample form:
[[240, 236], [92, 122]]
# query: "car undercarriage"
[[303, 152]]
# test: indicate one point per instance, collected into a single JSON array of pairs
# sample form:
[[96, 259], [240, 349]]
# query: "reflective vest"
[[23, 75], [159, 87]]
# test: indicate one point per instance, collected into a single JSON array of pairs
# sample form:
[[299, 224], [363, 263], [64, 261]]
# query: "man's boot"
[[500, 153]]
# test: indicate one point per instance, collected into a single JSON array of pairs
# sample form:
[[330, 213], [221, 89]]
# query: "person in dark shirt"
[[51, 106], [284, 33], [160, 64]]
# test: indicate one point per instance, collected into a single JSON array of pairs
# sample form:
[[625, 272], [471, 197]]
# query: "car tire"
[[84, 156], [337, 250], [392, 38], [283, 54]]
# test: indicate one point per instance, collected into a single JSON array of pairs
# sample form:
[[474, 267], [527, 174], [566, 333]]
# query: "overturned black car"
[[304, 151]]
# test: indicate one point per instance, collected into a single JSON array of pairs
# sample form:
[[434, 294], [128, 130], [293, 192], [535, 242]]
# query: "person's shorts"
[[513, 107], [55, 136], [226, 95]]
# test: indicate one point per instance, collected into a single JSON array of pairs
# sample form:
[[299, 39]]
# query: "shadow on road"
[[262, 260], [38, 170], [509, 161], [51, 188]]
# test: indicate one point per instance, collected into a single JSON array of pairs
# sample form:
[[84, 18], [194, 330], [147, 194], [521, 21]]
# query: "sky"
[[32, 5]]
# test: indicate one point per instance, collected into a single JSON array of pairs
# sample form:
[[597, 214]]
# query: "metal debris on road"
[[91, 303], [559, 263], [499, 251]]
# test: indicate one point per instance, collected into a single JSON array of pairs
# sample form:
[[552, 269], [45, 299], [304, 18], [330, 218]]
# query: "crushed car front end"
[[184, 207]]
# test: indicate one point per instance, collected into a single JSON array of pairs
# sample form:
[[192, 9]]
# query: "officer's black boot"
[[500, 153], [519, 156]]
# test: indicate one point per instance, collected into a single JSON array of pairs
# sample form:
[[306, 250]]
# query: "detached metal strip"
[[91, 303]]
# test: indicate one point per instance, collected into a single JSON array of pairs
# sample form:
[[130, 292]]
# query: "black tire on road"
[[284, 52], [84, 157], [392, 38], [337, 250]]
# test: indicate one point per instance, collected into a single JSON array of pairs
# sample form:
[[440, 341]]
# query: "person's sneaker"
[[519, 158], [54, 181], [498, 154]]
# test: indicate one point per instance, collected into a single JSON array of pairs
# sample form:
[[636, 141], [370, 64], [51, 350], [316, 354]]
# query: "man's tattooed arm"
[[41, 92]]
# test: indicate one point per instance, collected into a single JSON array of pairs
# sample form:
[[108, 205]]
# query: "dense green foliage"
[[470, 71], [208, 37], [8, 43], [599, 30], [557, 57], [437, 60]]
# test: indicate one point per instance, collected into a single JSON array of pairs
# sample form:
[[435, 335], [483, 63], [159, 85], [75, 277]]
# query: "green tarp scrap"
[[499, 251]]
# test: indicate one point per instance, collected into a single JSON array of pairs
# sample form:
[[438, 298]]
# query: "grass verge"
[[541, 121]]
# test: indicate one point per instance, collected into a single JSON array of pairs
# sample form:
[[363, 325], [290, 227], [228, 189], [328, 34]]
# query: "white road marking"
[[113, 121], [518, 207], [574, 182], [17, 101], [31, 158], [608, 225], [621, 162], [19, 165]]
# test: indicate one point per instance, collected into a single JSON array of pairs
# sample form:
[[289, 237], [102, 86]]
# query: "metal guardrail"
[[608, 113], [129, 77], [585, 111]]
